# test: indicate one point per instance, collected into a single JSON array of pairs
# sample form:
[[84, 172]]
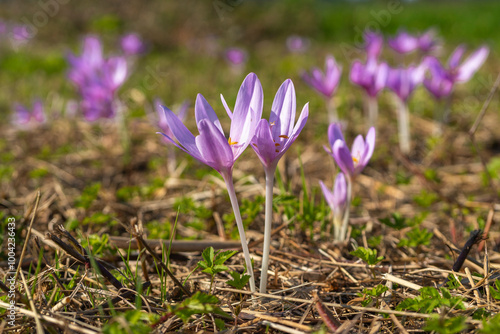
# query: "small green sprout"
[[213, 262]]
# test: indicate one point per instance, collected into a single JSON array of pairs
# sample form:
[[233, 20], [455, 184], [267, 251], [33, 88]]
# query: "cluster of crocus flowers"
[[351, 163], [326, 83], [29, 118], [97, 79], [270, 140], [404, 42]]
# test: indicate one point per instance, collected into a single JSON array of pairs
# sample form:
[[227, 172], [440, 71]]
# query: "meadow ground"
[[424, 221]]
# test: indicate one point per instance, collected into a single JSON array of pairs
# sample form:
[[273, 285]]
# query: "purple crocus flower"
[[132, 44], [374, 43], [462, 72], [440, 83], [274, 137], [403, 42], [350, 162], [97, 79], [213, 149], [442, 79], [297, 44], [337, 198], [403, 81], [354, 161], [326, 83], [371, 76], [236, 56], [428, 42], [26, 118], [337, 201]]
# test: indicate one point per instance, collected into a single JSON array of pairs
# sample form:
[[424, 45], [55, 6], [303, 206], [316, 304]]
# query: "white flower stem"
[[332, 110], [345, 223], [404, 127], [228, 178], [372, 110], [267, 228]]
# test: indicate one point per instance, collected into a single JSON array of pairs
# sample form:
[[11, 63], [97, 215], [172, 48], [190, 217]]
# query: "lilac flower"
[[371, 76], [297, 44], [373, 44], [274, 137], [403, 42], [462, 72], [442, 79], [97, 79], [236, 56], [403, 81], [428, 42], [350, 162], [440, 83], [132, 44], [354, 161], [213, 149], [26, 118], [337, 201], [326, 83]]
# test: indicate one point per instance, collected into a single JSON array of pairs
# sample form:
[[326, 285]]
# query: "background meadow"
[[109, 180]]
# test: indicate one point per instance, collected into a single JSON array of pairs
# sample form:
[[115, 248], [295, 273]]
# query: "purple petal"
[[472, 64], [456, 56], [301, 122], [182, 134], [328, 195], [214, 148], [339, 192], [247, 113], [283, 111], [203, 110], [343, 157], [334, 133], [263, 144], [369, 147]]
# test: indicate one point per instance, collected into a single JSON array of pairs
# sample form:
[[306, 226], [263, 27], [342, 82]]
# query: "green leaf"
[[199, 303], [239, 280], [445, 325], [368, 255]]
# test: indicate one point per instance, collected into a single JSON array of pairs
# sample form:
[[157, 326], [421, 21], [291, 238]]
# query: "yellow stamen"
[[232, 142], [284, 136], [272, 123], [355, 159]]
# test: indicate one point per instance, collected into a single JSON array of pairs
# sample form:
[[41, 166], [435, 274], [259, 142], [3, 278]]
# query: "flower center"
[[231, 142]]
